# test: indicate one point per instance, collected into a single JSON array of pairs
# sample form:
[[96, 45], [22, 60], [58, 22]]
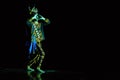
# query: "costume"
[[35, 51]]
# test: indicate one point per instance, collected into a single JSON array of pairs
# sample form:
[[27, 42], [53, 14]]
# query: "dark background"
[[71, 38]]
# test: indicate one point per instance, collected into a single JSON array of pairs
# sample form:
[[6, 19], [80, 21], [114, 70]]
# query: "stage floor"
[[22, 74]]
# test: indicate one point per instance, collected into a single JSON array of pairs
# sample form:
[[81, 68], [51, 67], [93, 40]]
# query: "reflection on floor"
[[21, 74]]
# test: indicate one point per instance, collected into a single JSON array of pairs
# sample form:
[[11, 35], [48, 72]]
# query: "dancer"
[[36, 53]]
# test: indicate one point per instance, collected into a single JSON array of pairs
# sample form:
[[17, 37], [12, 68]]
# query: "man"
[[36, 53]]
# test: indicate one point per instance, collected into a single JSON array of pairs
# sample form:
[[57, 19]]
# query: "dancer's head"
[[33, 10]]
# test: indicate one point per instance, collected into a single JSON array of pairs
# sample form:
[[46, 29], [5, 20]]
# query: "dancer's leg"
[[33, 61], [41, 60]]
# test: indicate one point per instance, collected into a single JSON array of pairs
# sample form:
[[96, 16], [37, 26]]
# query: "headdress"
[[33, 10]]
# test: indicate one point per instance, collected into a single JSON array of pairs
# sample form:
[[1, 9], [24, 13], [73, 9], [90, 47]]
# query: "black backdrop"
[[69, 44]]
